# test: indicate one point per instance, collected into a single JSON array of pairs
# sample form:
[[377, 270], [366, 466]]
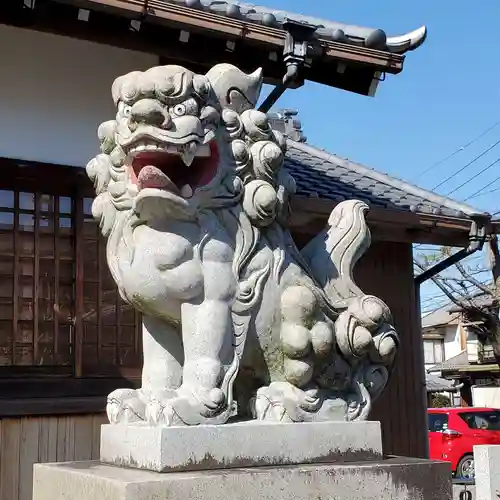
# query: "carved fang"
[[188, 154]]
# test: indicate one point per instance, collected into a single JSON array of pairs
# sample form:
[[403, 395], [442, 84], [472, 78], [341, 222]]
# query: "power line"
[[475, 193], [483, 193], [459, 150], [467, 165], [474, 176]]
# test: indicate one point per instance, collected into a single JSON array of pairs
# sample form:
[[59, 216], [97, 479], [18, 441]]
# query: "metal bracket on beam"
[[298, 36], [477, 238]]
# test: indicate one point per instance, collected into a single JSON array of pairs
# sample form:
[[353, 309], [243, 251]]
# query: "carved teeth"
[[189, 153], [147, 146], [186, 191]]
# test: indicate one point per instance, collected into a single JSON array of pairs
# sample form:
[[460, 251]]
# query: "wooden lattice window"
[[111, 340], [37, 280], [60, 312]]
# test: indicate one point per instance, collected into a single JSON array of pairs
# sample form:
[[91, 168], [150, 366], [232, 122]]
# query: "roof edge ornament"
[[409, 41]]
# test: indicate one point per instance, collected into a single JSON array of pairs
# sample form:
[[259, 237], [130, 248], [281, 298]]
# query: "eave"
[[233, 29], [353, 68], [310, 216]]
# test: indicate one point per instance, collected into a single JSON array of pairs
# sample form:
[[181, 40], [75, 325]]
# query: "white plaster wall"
[[452, 341], [486, 396], [54, 92], [472, 347]]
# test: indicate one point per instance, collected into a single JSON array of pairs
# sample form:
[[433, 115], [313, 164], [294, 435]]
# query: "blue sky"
[[446, 96]]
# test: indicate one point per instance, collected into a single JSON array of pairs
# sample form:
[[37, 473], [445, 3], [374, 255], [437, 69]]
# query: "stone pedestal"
[[248, 444], [250, 461], [394, 479]]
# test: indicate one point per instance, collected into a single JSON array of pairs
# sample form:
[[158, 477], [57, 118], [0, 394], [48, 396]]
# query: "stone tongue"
[[152, 177]]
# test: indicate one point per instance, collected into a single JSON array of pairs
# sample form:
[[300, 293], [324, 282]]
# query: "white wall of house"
[[486, 396], [472, 347], [54, 92], [452, 341]]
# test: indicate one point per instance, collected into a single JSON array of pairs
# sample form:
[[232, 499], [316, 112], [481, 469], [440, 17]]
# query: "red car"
[[454, 431]]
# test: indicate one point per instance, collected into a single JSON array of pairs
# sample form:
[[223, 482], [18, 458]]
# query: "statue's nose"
[[150, 112]]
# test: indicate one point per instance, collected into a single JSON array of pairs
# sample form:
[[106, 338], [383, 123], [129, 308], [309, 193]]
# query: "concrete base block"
[[171, 449], [395, 479]]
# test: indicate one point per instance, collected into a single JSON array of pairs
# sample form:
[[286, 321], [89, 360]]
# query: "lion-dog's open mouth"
[[179, 169]]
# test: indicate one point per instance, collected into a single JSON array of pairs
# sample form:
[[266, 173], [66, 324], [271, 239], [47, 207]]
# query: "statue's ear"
[[234, 89]]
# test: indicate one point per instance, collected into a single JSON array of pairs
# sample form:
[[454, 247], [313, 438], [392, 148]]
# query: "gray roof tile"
[[438, 384], [456, 362], [324, 175], [327, 30]]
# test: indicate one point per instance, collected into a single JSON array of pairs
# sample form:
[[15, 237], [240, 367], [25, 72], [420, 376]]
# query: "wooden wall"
[[386, 271], [28, 440]]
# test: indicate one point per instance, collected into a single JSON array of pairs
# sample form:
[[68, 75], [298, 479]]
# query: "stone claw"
[[125, 406], [184, 407]]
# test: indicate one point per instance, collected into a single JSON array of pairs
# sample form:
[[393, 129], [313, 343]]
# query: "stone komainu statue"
[[193, 200]]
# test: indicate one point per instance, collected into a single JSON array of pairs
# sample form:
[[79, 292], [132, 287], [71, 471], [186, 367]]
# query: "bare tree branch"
[[442, 287], [467, 276], [467, 292]]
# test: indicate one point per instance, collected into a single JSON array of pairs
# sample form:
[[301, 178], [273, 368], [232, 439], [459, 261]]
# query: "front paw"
[[185, 407], [125, 406], [158, 410]]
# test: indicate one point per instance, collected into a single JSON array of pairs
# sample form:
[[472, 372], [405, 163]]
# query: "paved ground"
[[457, 488]]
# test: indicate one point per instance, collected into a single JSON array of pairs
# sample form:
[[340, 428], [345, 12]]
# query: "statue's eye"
[[188, 107], [179, 110]]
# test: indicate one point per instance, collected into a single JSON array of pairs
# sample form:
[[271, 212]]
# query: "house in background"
[[443, 336], [453, 350]]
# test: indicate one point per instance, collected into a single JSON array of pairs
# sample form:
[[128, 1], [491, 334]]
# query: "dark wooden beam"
[[53, 395], [69, 405], [194, 20], [309, 216]]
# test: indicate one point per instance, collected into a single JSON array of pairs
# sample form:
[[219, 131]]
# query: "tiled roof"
[[323, 175], [438, 384], [440, 317], [327, 30], [456, 362]]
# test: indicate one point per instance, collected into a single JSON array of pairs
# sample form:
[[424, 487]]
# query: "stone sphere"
[[265, 198], [361, 340], [298, 304], [217, 396], [322, 338], [298, 371], [386, 347], [374, 308], [295, 340]]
